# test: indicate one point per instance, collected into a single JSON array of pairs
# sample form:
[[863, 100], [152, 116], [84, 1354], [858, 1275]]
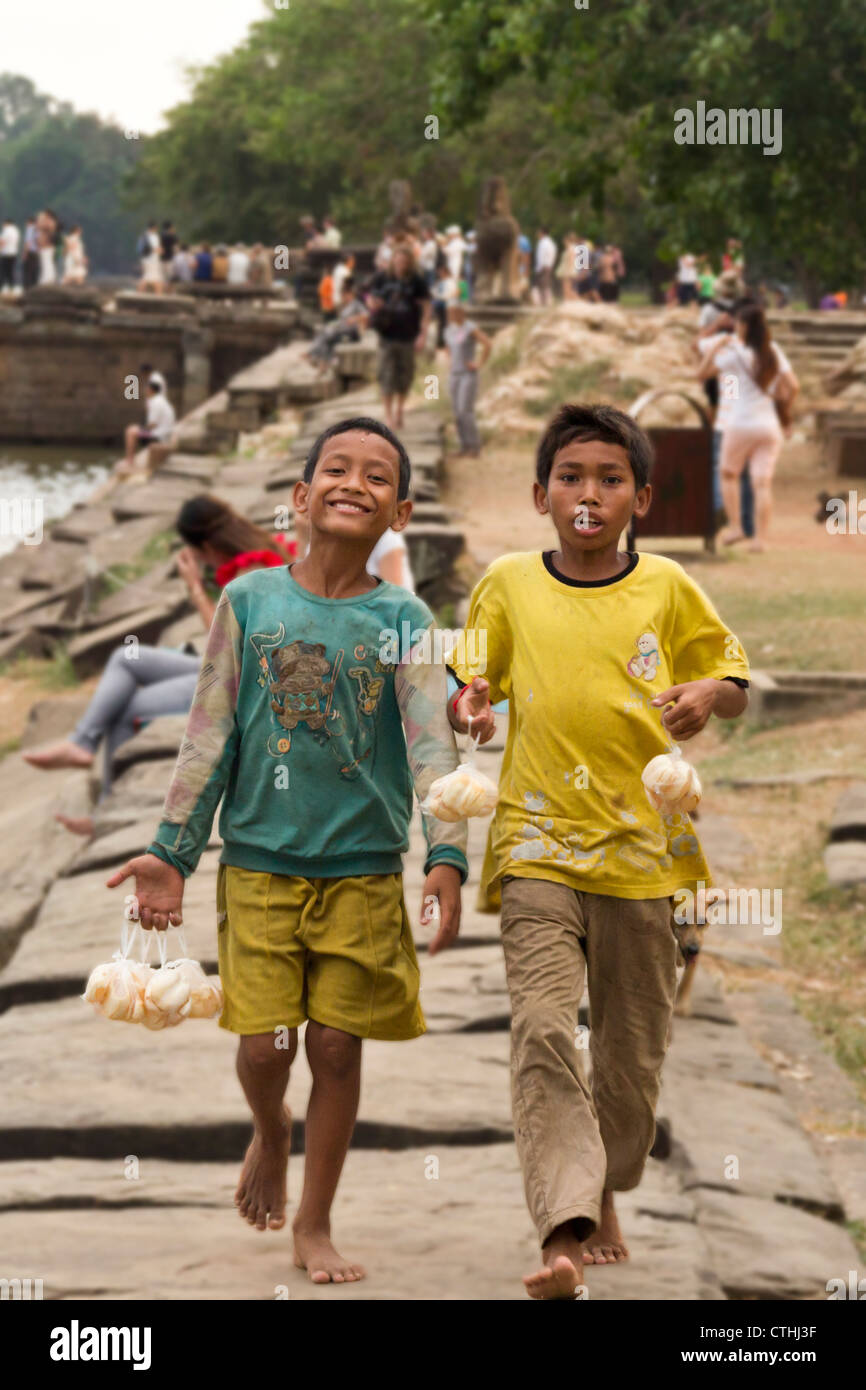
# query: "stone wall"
[[64, 359]]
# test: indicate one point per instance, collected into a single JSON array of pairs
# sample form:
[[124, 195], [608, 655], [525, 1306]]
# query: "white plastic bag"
[[671, 783], [133, 992], [463, 793], [116, 989]]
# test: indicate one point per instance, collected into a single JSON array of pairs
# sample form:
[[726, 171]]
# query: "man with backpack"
[[400, 305]]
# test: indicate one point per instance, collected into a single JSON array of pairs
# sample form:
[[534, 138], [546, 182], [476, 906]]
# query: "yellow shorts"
[[337, 950]]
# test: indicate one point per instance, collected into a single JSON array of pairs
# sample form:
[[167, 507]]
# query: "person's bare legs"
[[64, 753], [763, 490], [263, 1071], [736, 448], [387, 402], [398, 413], [606, 1245], [335, 1061], [733, 532], [79, 825]]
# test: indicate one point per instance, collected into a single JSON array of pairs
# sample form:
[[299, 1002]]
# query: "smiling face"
[[591, 494], [353, 492]]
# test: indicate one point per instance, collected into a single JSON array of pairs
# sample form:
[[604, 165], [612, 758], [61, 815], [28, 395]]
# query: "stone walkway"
[[120, 1148]]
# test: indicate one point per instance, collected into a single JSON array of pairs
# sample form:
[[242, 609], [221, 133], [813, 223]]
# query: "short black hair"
[[369, 426], [602, 422]]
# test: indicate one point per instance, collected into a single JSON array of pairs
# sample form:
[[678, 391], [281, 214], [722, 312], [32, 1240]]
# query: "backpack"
[[143, 247]]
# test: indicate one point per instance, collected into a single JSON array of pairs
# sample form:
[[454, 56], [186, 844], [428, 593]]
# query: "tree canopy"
[[318, 110], [643, 61], [74, 163]]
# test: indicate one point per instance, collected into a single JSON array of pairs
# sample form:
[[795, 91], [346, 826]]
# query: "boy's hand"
[[158, 887], [474, 701], [693, 703], [443, 882]]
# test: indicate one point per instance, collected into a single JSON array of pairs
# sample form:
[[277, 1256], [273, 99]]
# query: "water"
[[47, 479]]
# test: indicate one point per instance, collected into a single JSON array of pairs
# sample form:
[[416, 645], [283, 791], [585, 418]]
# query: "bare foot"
[[730, 537], [79, 825], [757, 547], [562, 1272], [607, 1245], [315, 1253], [64, 754], [262, 1191]]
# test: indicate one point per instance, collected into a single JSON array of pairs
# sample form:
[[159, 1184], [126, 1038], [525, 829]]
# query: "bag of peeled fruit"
[[463, 793], [131, 991]]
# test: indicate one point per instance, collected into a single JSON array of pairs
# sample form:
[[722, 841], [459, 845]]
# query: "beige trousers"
[[574, 1140]]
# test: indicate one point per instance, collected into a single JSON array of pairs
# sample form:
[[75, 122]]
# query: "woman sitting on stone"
[[135, 688]]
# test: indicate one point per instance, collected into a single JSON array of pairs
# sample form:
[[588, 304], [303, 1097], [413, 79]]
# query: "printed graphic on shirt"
[[641, 847], [645, 665], [302, 681]]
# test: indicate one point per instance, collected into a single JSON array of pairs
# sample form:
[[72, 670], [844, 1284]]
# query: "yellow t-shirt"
[[579, 664]]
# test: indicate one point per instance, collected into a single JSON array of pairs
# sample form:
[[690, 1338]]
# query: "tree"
[[51, 156], [317, 111], [805, 205]]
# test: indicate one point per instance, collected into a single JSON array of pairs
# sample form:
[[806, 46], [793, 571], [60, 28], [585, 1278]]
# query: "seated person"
[[158, 429], [162, 680], [351, 318]]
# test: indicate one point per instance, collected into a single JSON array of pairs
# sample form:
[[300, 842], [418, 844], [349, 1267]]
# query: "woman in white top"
[[151, 264], [74, 258], [389, 560], [753, 374]]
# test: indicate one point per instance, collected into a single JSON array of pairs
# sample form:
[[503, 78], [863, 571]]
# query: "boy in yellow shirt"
[[606, 658]]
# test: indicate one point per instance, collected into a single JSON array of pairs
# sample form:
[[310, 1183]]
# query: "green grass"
[[50, 673], [158, 548], [801, 630], [507, 359], [10, 745], [567, 383]]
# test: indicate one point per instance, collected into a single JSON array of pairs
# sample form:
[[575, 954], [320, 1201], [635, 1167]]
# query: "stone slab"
[[66, 1067], [161, 738], [51, 719], [90, 651], [770, 1250], [109, 851], [160, 496], [717, 1121], [850, 810], [464, 1235], [204, 468], [819, 1092], [845, 862]]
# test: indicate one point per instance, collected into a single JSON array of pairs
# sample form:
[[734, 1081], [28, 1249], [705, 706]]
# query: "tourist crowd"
[[165, 259], [45, 253]]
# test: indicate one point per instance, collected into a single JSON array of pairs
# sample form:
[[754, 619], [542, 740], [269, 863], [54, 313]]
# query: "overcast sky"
[[121, 59]]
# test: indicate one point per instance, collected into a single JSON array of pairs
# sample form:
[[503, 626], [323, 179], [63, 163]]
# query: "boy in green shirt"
[[590, 644], [313, 734]]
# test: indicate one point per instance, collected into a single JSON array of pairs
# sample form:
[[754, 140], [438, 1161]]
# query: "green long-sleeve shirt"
[[311, 719]]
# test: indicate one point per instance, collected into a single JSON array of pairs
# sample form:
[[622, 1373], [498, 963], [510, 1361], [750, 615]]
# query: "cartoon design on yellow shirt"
[[646, 663]]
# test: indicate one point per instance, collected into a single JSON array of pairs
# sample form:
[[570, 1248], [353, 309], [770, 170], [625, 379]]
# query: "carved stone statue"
[[496, 256], [400, 198]]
